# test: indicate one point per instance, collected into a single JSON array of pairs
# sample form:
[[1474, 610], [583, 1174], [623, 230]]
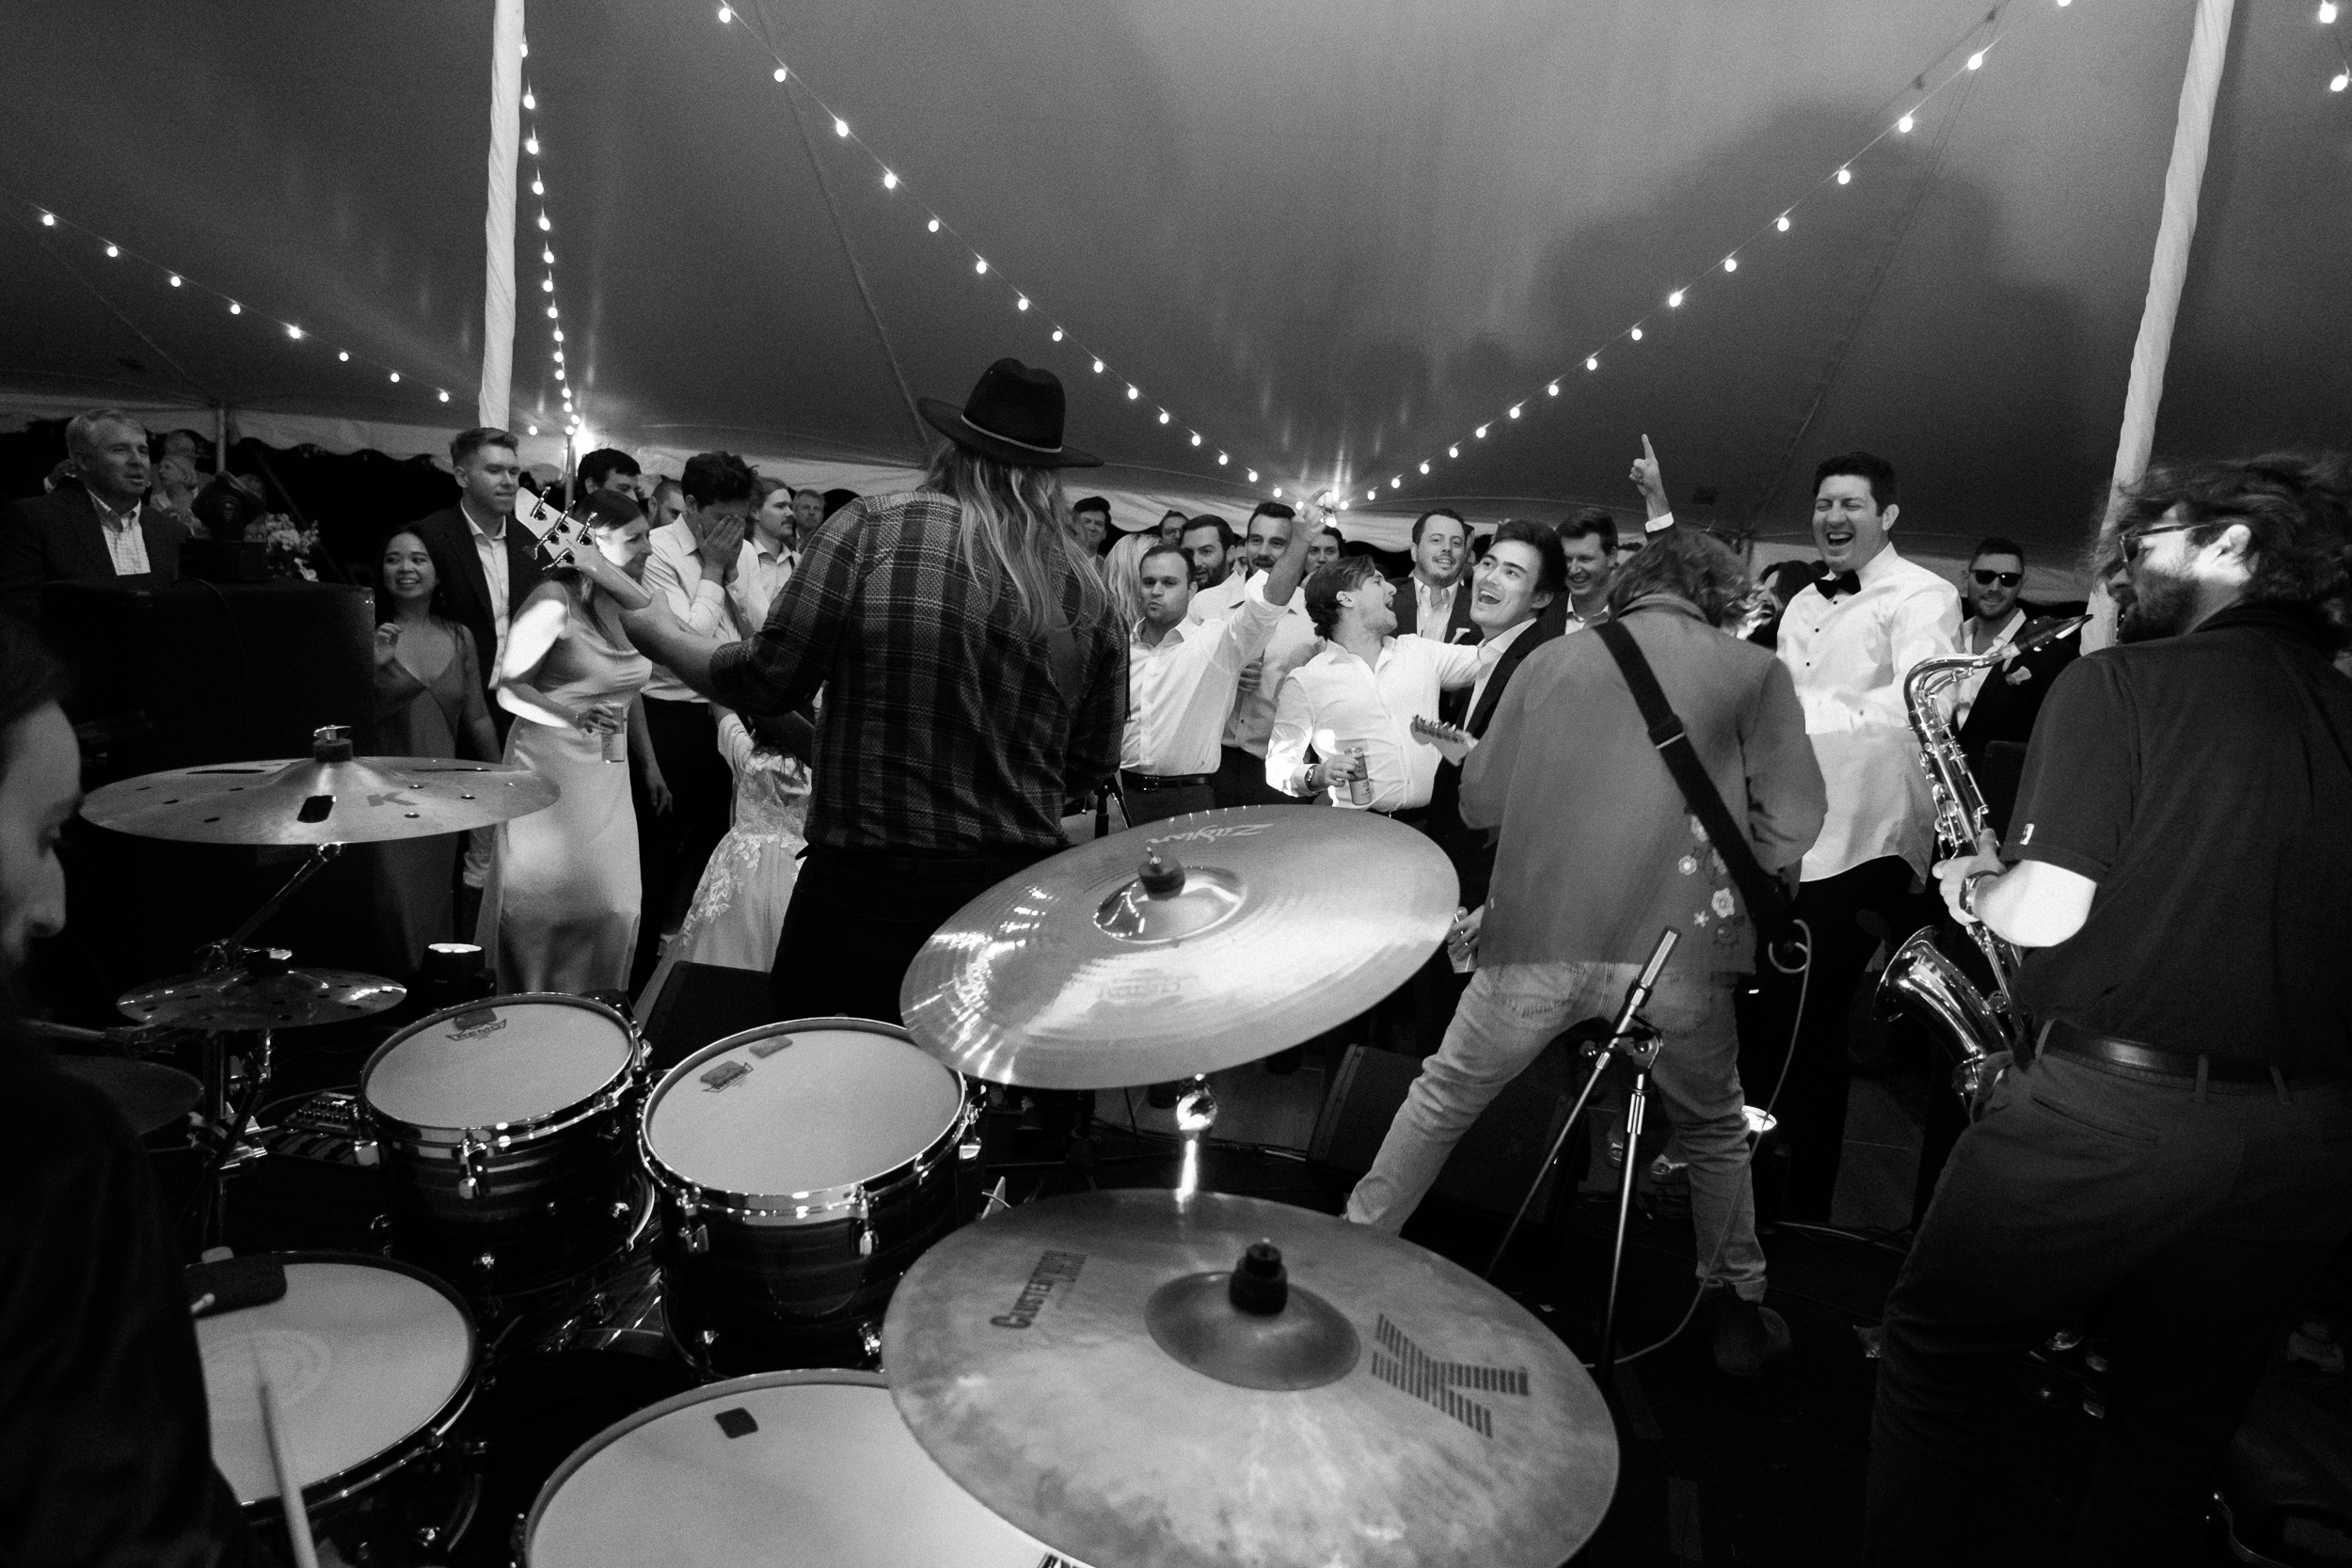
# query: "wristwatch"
[[1968, 892]]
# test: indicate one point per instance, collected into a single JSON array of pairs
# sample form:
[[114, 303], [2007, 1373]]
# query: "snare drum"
[[802, 1167], [786, 1468], [373, 1363], [502, 1126]]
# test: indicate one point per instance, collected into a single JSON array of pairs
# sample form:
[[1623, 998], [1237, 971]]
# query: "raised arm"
[[530, 637]]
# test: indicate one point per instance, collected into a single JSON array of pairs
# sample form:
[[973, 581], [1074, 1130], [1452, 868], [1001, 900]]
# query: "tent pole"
[[2192, 130], [498, 226]]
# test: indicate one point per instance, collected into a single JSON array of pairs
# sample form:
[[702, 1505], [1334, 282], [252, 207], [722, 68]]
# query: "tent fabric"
[[1328, 237]]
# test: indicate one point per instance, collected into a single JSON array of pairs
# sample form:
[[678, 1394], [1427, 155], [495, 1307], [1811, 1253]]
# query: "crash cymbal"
[[328, 798], [1184, 947], [244, 998], [150, 1095], [1085, 1368]]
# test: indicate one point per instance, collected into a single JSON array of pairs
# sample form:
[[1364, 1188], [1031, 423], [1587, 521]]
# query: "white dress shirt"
[[1490, 654], [761, 575], [1848, 657], [491, 549], [1433, 607], [1965, 694], [126, 543], [1337, 702], [674, 572], [1293, 643], [1180, 690]]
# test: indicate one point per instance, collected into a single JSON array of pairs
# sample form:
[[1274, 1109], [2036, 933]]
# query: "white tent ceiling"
[[1331, 237]]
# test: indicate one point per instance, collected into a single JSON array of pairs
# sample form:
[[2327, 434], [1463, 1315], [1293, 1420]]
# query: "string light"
[[726, 14], [295, 332], [345, 355], [113, 252], [2340, 81], [1253, 473], [1424, 467], [933, 224], [49, 220], [173, 280], [557, 370], [1842, 174], [529, 102], [2327, 11], [235, 308]]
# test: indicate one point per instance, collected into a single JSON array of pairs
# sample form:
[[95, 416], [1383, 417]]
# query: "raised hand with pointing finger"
[[1650, 481]]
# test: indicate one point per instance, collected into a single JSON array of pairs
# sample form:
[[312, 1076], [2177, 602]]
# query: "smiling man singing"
[[1848, 641]]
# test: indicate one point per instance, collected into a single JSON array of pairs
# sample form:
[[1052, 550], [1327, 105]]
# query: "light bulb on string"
[[1162, 416], [1453, 452], [1782, 223], [2327, 11], [344, 355], [114, 250], [1592, 361], [934, 225], [726, 14], [1278, 489], [1637, 334], [1132, 394], [1674, 301], [890, 180], [522, 48], [980, 264], [1397, 484], [551, 315], [1845, 177], [559, 334], [538, 187], [1552, 390], [530, 144], [1222, 460], [1253, 479], [444, 397], [530, 101], [1424, 467], [173, 280], [1373, 494], [395, 376], [780, 73], [49, 220], [2341, 79], [1731, 263], [1098, 367], [546, 253], [840, 126], [531, 430], [1196, 437], [1057, 334], [1514, 410], [1021, 304], [1905, 125], [295, 332], [1479, 433], [1342, 506], [544, 225], [235, 308], [546, 285], [1975, 61]]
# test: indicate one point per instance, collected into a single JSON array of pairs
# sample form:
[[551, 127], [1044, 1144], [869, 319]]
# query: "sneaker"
[[1750, 1337]]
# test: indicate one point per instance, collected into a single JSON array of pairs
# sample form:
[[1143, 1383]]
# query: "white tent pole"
[[2192, 130], [497, 226]]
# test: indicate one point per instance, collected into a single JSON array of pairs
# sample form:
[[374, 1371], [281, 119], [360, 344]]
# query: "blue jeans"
[[1507, 1018]]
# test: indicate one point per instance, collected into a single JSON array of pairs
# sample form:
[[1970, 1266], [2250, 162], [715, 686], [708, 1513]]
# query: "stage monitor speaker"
[[1491, 1167], [701, 1003]]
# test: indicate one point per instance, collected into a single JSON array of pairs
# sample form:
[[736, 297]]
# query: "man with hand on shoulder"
[[1181, 675], [1241, 758]]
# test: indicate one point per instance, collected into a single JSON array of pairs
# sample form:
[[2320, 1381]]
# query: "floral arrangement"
[[290, 546]]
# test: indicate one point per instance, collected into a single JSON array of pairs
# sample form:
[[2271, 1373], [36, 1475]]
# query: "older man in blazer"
[[488, 563], [97, 524]]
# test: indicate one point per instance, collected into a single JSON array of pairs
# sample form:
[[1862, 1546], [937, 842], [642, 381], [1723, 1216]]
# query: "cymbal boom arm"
[[231, 948]]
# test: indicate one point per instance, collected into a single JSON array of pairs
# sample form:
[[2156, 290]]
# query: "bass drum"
[[802, 1169], [503, 1128], [374, 1364], [786, 1468]]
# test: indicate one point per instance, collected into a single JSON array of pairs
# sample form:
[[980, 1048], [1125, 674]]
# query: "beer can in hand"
[[616, 742], [1359, 785]]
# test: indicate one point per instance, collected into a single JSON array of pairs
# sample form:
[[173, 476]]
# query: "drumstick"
[[289, 1483]]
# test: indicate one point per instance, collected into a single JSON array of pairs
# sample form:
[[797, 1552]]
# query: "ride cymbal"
[[330, 796], [1087, 1369], [1182, 947], [242, 998]]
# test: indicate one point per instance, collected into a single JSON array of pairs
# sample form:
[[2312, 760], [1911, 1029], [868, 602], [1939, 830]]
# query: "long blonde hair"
[[1122, 575], [1016, 524]]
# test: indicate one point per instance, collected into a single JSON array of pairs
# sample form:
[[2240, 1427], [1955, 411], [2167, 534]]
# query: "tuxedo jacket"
[[2011, 698], [1472, 849], [466, 589], [56, 538]]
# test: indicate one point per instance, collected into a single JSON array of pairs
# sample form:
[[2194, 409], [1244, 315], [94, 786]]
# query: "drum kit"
[[1138, 1377]]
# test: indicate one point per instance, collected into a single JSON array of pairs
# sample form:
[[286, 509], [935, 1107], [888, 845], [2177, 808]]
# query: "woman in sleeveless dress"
[[738, 911], [561, 910], [428, 704]]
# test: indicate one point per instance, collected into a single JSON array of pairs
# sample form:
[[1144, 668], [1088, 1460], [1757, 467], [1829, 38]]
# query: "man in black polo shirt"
[[2178, 1149]]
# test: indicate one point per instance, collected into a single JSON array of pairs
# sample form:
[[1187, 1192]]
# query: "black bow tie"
[[1833, 583]]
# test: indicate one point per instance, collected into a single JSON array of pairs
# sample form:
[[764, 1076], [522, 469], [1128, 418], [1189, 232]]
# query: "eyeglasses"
[[2131, 541], [2007, 580]]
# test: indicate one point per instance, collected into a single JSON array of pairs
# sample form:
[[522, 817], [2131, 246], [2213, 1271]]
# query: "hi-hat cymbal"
[[1083, 1368], [241, 998], [313, 800], [1184, 947]]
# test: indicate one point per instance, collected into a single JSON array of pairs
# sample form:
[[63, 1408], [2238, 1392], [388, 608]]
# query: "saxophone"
[[1921, 981]]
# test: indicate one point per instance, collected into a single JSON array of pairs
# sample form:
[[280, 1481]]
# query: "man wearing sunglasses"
[[1994, 708], [2174, 1146]]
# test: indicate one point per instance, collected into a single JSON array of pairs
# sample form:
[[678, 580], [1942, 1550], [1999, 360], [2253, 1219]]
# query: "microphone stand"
[[1632, 1038]]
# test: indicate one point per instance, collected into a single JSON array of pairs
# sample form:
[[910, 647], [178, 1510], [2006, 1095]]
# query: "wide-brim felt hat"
[[1014, 415]]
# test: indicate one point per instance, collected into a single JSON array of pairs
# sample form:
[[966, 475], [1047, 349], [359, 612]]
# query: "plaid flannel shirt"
[[945, 728]]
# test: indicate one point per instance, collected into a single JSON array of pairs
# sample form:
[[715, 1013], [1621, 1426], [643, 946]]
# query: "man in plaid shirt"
[[973, 683]]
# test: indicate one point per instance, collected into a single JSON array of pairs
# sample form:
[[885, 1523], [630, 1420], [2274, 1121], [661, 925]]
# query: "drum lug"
[[363, 1152], [473, 1165], [697, 1240], [861, 1209]]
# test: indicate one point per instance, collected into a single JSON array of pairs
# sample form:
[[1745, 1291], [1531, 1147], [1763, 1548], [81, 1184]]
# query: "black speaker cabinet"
[[1491, 1167]]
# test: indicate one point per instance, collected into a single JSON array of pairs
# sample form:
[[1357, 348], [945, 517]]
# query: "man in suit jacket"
[[1521, 575], [97, 524], [1431, 600], [1994, 709], [488, 563]]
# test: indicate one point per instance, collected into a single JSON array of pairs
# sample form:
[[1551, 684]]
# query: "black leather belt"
[[2061, 1038], [1164, 780], [1413, 816]]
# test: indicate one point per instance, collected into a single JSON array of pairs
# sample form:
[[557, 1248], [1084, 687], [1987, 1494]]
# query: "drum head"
[[363, 1356], [511, 1059], [786, 1468], [841, 1103]]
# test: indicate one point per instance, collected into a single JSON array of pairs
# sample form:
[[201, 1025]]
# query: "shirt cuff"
[[1659, 524]]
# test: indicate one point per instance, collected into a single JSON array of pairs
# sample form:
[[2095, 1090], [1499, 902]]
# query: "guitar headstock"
[[557, 534]]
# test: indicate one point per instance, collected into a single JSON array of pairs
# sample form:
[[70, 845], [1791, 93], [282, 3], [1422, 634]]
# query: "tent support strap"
[[497, 226]]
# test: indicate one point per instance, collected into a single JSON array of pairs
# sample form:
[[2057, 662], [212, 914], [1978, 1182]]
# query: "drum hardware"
[[1632, 1038], [1101, 1372], [1179, 949]]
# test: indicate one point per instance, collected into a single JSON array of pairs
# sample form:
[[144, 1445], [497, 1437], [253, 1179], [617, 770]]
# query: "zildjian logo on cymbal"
[[1052, 1268], [1211, 834]]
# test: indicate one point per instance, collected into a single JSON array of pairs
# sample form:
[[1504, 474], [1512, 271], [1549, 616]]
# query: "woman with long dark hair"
[[561, 910]]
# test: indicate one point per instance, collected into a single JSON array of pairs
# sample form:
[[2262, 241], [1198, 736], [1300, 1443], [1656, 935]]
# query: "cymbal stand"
[[1196, 1113], [1632, 1038], [226, 1117], [231, 948]]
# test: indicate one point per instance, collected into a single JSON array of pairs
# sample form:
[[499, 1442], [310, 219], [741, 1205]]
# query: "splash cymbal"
[[1087, 1368], [1182, 947], [318, 800]]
